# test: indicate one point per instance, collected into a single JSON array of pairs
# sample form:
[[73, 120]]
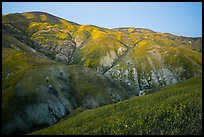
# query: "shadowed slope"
[[174, 110]]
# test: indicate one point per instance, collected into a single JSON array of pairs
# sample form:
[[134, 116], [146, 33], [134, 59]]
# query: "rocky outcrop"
[[55, 43], [61, 53], [44, 95], [137, 83], [37, 95]]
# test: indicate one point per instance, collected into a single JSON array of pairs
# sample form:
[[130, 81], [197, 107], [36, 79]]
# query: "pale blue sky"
[[179, 18]]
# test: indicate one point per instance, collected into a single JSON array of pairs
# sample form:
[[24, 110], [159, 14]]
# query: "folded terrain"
[[38, 92], [140, 58], [53, 68], [173, 110]]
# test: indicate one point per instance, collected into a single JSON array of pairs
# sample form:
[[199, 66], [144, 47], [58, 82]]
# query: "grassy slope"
[[175, 109], [82, 87], [95, 43], [175, 58], [14, 63]]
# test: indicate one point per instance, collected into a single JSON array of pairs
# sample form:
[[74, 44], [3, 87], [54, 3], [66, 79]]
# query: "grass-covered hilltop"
[[60, 77]]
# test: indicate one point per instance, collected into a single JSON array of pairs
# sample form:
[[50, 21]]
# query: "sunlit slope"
[[37, 92], [35, 43], [140, 58], [173, 110], [45, 33], [87, 45], [149, 65]]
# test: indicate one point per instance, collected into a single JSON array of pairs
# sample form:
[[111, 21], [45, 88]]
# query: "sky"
[[179, 18]]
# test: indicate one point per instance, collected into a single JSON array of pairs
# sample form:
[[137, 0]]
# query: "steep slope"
[[174, 110], [53, 67], [140, 58], [43, 32], [37, 92], [149, 65]]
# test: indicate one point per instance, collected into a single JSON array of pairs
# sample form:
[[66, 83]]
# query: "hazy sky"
[[180, 18]]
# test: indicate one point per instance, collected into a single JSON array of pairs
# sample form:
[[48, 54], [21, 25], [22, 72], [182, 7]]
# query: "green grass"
[[174, 110], [12, 18], [102, 40], [95, 44], [82, 87], [14, 63], [98, 48]]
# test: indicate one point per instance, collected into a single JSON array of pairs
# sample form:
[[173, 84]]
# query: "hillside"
[[53, 68], [38, 92], [140, 58], [174, 110]]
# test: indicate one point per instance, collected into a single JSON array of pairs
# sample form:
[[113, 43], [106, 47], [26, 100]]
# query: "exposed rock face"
[[142, 76], [36, 95], [81, 37], [59, 48], [46, 94], [108, 60], [61, 53]]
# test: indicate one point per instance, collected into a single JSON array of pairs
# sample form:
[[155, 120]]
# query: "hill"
[[54, 68], [37, 92], [140, 58], [173, 110]]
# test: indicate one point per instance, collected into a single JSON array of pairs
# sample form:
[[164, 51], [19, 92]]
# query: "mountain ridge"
[[87, 44], [42, 12], [47, 55]]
